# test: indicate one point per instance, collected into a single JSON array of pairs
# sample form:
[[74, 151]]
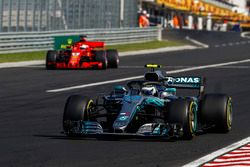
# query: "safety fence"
[[52, 15], [39, 41]]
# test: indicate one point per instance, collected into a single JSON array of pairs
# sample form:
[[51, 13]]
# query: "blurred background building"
[[198, 14], [241, 6]]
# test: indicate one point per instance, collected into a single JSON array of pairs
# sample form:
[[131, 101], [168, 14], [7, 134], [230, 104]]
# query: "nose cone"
[[120, 126], [122, 121], [74, 60], [73, 65], [127, 113]]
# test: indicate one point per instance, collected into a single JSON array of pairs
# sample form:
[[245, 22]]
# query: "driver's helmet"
[[83, 46], [149, 90], [83, 38], [168, 92]]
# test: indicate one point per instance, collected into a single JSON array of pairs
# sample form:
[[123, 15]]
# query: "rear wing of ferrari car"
[[65, 42], [95, 44]]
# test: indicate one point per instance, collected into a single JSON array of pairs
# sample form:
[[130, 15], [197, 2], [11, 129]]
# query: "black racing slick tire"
[[183, 112], [113, 58], [77, 108], [51, 60], [217, 111], [100, 56]]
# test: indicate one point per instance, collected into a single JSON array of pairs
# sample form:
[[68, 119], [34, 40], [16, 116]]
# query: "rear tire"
[[51, 60], [77, 108], [113, 58], [183, 112], [217, 111], [100, 56]]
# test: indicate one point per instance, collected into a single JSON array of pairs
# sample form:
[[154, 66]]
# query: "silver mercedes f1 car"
[[150, 107]]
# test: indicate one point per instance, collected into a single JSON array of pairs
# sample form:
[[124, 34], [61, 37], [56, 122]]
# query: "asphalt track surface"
[[31, 118]]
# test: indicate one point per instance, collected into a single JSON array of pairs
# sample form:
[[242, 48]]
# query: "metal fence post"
[[74, 14], [67, 12], [79, 13], [64, 24], [159, 37], [25, 15], [17, 15], [54, 21], [47, 14], [1, 15], [40, 16], [33, 15], [10, 15], [121, 12]]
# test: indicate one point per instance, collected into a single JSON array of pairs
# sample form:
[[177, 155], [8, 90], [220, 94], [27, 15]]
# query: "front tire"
[[183, 112], [113, 58], [217, 111], [51, 60], [77, 108]]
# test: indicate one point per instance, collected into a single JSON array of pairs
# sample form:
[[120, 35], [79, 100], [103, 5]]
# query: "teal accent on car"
[[117, 88], [172, 90], [158, 102], [132, 99]]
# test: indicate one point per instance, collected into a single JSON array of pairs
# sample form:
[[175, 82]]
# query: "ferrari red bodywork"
[[83, 54]]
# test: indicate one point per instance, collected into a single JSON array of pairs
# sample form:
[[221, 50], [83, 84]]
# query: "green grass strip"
[[144, 45], [16, 57]]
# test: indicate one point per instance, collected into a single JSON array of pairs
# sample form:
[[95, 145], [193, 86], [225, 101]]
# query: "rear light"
[[75, 54]]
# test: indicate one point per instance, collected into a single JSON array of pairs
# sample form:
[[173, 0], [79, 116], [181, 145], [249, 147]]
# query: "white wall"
[[240, 3]]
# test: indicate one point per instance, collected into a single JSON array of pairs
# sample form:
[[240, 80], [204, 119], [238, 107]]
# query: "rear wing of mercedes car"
[[186, 82], [178, 82]]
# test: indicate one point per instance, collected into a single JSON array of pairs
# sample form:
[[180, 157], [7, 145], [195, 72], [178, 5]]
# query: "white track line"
[[21, 64], [141, 76], [245, 35], [176, 67], [217, 153], [159, 50], [197, 42]]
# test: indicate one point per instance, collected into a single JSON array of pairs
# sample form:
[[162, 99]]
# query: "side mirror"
[[120, 90]]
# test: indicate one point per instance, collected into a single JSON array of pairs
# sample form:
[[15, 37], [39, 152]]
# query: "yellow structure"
[[201, 7]]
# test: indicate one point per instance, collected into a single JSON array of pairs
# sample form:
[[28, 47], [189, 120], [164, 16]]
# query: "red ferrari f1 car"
[[82, 54]]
